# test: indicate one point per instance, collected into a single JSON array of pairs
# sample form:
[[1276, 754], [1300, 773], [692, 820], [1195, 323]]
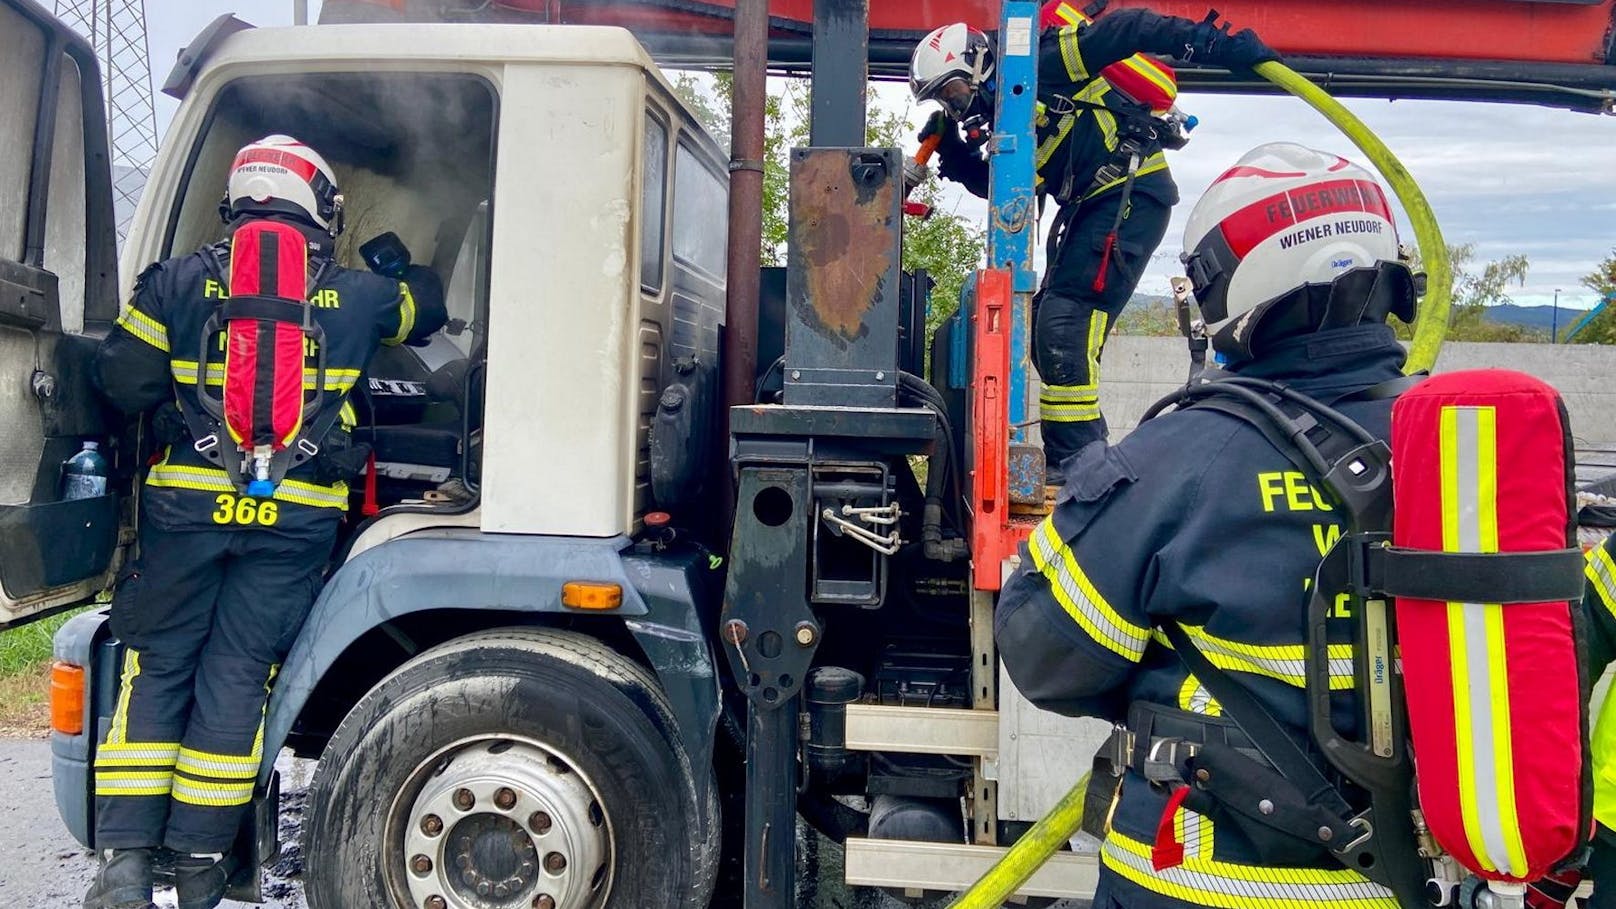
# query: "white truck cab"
[[571, 206]]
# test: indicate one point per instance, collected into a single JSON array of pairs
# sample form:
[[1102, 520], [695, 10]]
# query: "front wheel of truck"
[[505, 770]]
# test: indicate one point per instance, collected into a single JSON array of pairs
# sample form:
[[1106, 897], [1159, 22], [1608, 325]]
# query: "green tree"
[[1474, 290], [1602, 330]]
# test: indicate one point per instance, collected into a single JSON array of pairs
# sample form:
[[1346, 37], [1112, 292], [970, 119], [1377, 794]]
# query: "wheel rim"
[[499, 822]]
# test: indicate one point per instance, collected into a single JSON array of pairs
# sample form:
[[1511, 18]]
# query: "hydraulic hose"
[[1431, 324]]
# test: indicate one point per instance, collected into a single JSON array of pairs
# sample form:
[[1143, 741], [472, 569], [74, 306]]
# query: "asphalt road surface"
[[41, 867]]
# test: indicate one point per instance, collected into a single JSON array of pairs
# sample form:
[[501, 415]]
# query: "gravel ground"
[[41, 867]]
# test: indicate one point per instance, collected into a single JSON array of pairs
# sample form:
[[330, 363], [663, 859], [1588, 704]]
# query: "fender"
[[466, 569]]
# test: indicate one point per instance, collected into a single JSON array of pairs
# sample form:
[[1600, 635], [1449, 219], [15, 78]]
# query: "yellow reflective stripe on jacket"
[[1063, 128], [1151, 164], [1205, 881], [214, 479], [1080, 599], [1601, 571], [1108, 128], [1281, 662], [144, 327], [406, 315], [336, 380], [1072, 55]]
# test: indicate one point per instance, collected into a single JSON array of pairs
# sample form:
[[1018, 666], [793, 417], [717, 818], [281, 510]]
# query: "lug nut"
[[432, 825], [539, 823], [421, 865], [501, 891], [544, 901], [436, 902], [505, 798], [464, 800], [555, 863]]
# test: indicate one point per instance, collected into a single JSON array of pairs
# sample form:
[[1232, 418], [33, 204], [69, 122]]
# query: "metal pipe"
[[745, 200], [300, 12]]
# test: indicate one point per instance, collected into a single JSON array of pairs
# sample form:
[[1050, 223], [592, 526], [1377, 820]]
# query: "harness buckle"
[[1162, 762], [1117, 751], [1367, 833], [308, 447], [207, 444]]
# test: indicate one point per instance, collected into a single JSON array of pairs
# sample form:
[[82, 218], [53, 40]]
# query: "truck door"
[[58, 295]]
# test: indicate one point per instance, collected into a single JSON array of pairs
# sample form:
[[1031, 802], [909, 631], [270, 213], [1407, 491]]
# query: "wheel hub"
[[505, 824]]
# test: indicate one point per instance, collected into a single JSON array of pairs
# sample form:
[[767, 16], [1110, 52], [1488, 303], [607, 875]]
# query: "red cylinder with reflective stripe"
[[1146, 80], [1494, 698], [263, 366]]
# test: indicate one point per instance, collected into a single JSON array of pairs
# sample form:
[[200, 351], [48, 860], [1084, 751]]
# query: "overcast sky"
[[1506, 178]]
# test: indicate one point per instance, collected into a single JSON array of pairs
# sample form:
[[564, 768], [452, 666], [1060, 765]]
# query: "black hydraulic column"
[[771, 805], [841, 68], [769, 634]]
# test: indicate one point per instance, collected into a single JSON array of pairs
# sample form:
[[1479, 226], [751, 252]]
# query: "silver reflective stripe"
[[1471, 504]]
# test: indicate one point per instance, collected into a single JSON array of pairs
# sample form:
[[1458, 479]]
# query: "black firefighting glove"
[[167, 424], [1235, 50], [956, 160]]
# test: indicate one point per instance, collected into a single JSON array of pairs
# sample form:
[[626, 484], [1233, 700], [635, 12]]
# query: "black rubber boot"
[[200, 881], [124, 881]]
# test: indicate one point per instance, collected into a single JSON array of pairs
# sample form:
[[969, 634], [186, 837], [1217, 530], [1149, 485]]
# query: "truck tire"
[[507, 766]]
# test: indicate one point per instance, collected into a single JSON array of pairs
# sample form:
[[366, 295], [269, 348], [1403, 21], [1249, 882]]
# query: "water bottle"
[[84, 476]]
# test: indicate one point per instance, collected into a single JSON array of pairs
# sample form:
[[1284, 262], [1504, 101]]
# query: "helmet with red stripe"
[[278, 174], [1281, 220]]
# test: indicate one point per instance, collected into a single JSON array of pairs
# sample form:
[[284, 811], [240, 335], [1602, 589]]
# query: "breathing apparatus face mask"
[[971, 107]]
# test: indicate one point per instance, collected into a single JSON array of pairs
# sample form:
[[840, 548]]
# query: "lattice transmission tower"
[[117, 31]]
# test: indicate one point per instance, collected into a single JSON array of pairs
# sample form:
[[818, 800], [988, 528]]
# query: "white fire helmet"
[[954, 51], [1283, 217], [280, 174]]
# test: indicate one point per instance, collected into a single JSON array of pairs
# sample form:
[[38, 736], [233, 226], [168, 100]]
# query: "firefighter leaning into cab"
[[224, 579], [1196, 519], [1099, 156]]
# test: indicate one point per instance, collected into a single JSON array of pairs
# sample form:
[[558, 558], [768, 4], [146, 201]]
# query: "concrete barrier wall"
[[1138, 371]]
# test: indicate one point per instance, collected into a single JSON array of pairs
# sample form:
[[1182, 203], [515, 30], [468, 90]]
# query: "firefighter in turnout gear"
[[1195, 523], [1599, 608], [1099, 156], [226, 573]]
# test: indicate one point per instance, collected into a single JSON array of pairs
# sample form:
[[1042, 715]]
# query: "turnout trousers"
[[206, 617], [1084, 290]]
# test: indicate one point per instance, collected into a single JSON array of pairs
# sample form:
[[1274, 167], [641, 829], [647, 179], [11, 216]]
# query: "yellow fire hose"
[[1057, 827]]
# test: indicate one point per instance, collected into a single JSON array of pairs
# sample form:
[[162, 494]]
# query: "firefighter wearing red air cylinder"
[[226, 573], [1099, 156]]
